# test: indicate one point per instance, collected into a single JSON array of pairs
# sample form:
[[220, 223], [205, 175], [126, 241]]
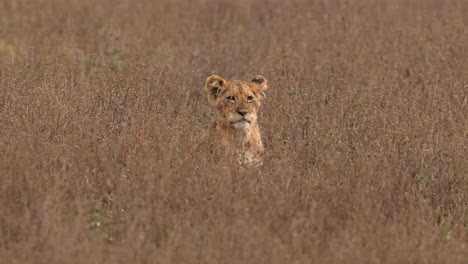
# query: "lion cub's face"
[[237, 102]]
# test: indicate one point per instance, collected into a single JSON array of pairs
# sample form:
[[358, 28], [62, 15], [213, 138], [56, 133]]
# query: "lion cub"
[[235, 132]]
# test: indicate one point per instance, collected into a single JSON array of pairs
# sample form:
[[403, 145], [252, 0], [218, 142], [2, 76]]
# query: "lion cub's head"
[[237, 102]]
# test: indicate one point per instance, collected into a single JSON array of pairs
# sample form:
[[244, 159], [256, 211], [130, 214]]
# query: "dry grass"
[[365, 126]]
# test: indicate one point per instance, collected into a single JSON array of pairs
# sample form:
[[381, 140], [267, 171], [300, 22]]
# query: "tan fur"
[[235, 132]]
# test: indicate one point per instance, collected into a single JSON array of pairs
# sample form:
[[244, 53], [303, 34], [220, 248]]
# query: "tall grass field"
[[365, 126]]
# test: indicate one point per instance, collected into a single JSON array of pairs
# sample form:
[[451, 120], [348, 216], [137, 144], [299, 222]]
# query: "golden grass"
[[365, 126]]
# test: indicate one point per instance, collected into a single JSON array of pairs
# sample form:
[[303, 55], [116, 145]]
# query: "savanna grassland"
[[365, 126]]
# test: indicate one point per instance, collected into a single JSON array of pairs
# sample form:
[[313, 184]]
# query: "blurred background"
[[365, 126]]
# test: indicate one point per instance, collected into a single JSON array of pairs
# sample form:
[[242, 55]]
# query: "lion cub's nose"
[[242, 113]]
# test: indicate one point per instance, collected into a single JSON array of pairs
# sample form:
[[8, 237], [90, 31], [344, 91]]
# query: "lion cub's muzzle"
[[243, 120]]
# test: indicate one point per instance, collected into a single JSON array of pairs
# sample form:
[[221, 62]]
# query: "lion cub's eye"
[[231, 98], [250, 98]]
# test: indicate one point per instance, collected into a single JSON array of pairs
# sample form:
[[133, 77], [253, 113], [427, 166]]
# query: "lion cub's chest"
[[244, 145]]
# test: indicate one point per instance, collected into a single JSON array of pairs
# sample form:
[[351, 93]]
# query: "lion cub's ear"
[[213, 86], [262, 84]]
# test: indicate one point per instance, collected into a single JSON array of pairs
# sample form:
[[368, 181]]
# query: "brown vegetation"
[[365, 129]]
